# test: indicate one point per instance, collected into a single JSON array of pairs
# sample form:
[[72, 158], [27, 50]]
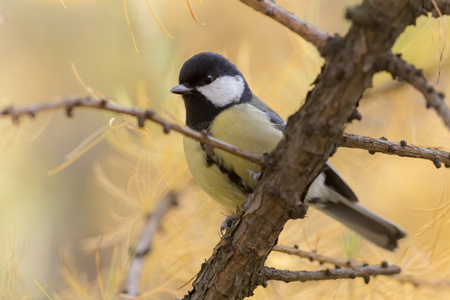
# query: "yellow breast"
[[245, 127]]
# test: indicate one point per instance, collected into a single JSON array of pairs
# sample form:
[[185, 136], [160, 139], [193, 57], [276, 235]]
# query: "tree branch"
[[69, 102], [309, 32], [382, 145], [144, 244], [351, 273], [395, 65], [314, 256]]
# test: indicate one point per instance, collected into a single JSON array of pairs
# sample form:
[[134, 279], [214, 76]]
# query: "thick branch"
[[309, 32], [70, 102], [395, 65], [438, 157], [351, 273], [145, 242]]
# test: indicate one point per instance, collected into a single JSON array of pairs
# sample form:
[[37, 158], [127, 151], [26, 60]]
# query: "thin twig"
[[309, 32], [340, 262], [438, 157], [399, 68], [327, 274], [314, 256], [70, 102], [144, 244]]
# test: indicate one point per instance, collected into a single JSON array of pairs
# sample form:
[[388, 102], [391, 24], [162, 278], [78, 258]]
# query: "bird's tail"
[[371, 226]]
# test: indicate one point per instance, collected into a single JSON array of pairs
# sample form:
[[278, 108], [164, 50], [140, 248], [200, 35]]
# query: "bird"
[[219, 101]]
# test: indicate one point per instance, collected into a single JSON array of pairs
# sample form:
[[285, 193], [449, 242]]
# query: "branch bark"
[[313, 256], [382, 145], [327, 274]]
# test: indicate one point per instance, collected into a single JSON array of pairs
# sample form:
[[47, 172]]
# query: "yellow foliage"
[[116, 173]]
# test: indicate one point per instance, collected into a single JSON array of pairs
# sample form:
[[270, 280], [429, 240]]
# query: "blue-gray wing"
[[274, 118], [332, 177]]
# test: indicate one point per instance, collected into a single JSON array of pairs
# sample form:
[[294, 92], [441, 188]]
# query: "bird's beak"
[[182, 90]]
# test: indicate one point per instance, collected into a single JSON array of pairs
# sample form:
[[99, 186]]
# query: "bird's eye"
[[207, 79]]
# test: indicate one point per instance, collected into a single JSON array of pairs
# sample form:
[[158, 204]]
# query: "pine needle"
[[97, 265], [85, 143], [305, 236], [129, 25], [157, 20], [41, 128], [75, 155], [189, 281], [90, 90], [9, 139], [42, 289], [442, 34], [192, 13]]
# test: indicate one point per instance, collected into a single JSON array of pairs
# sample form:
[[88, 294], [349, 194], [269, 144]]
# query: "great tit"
[[219, 101]]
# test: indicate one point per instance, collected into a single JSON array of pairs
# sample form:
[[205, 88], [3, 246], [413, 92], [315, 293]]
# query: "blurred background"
[[74, 187]]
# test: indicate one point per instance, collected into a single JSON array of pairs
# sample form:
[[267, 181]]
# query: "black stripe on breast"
[[233, 177]]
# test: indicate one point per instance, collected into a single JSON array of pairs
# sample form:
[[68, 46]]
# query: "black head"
[[209, 84]]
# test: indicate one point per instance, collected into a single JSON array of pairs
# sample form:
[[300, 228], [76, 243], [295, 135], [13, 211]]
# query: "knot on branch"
[[356, 115], [437, 163], [270, 12], [7, 110], [298, 211], [71, 106], [103, 102], [365, 17], [69, 111], [332, 46], [261, 279], [141, 121]]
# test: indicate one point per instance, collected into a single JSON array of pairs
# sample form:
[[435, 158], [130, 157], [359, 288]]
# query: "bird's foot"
[[226, 224], [255, 176]]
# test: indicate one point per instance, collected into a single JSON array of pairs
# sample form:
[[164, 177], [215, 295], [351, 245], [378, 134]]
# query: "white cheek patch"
[[224, 90]]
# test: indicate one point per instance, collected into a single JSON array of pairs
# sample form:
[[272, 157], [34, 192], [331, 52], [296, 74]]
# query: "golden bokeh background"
[[51, 225]]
